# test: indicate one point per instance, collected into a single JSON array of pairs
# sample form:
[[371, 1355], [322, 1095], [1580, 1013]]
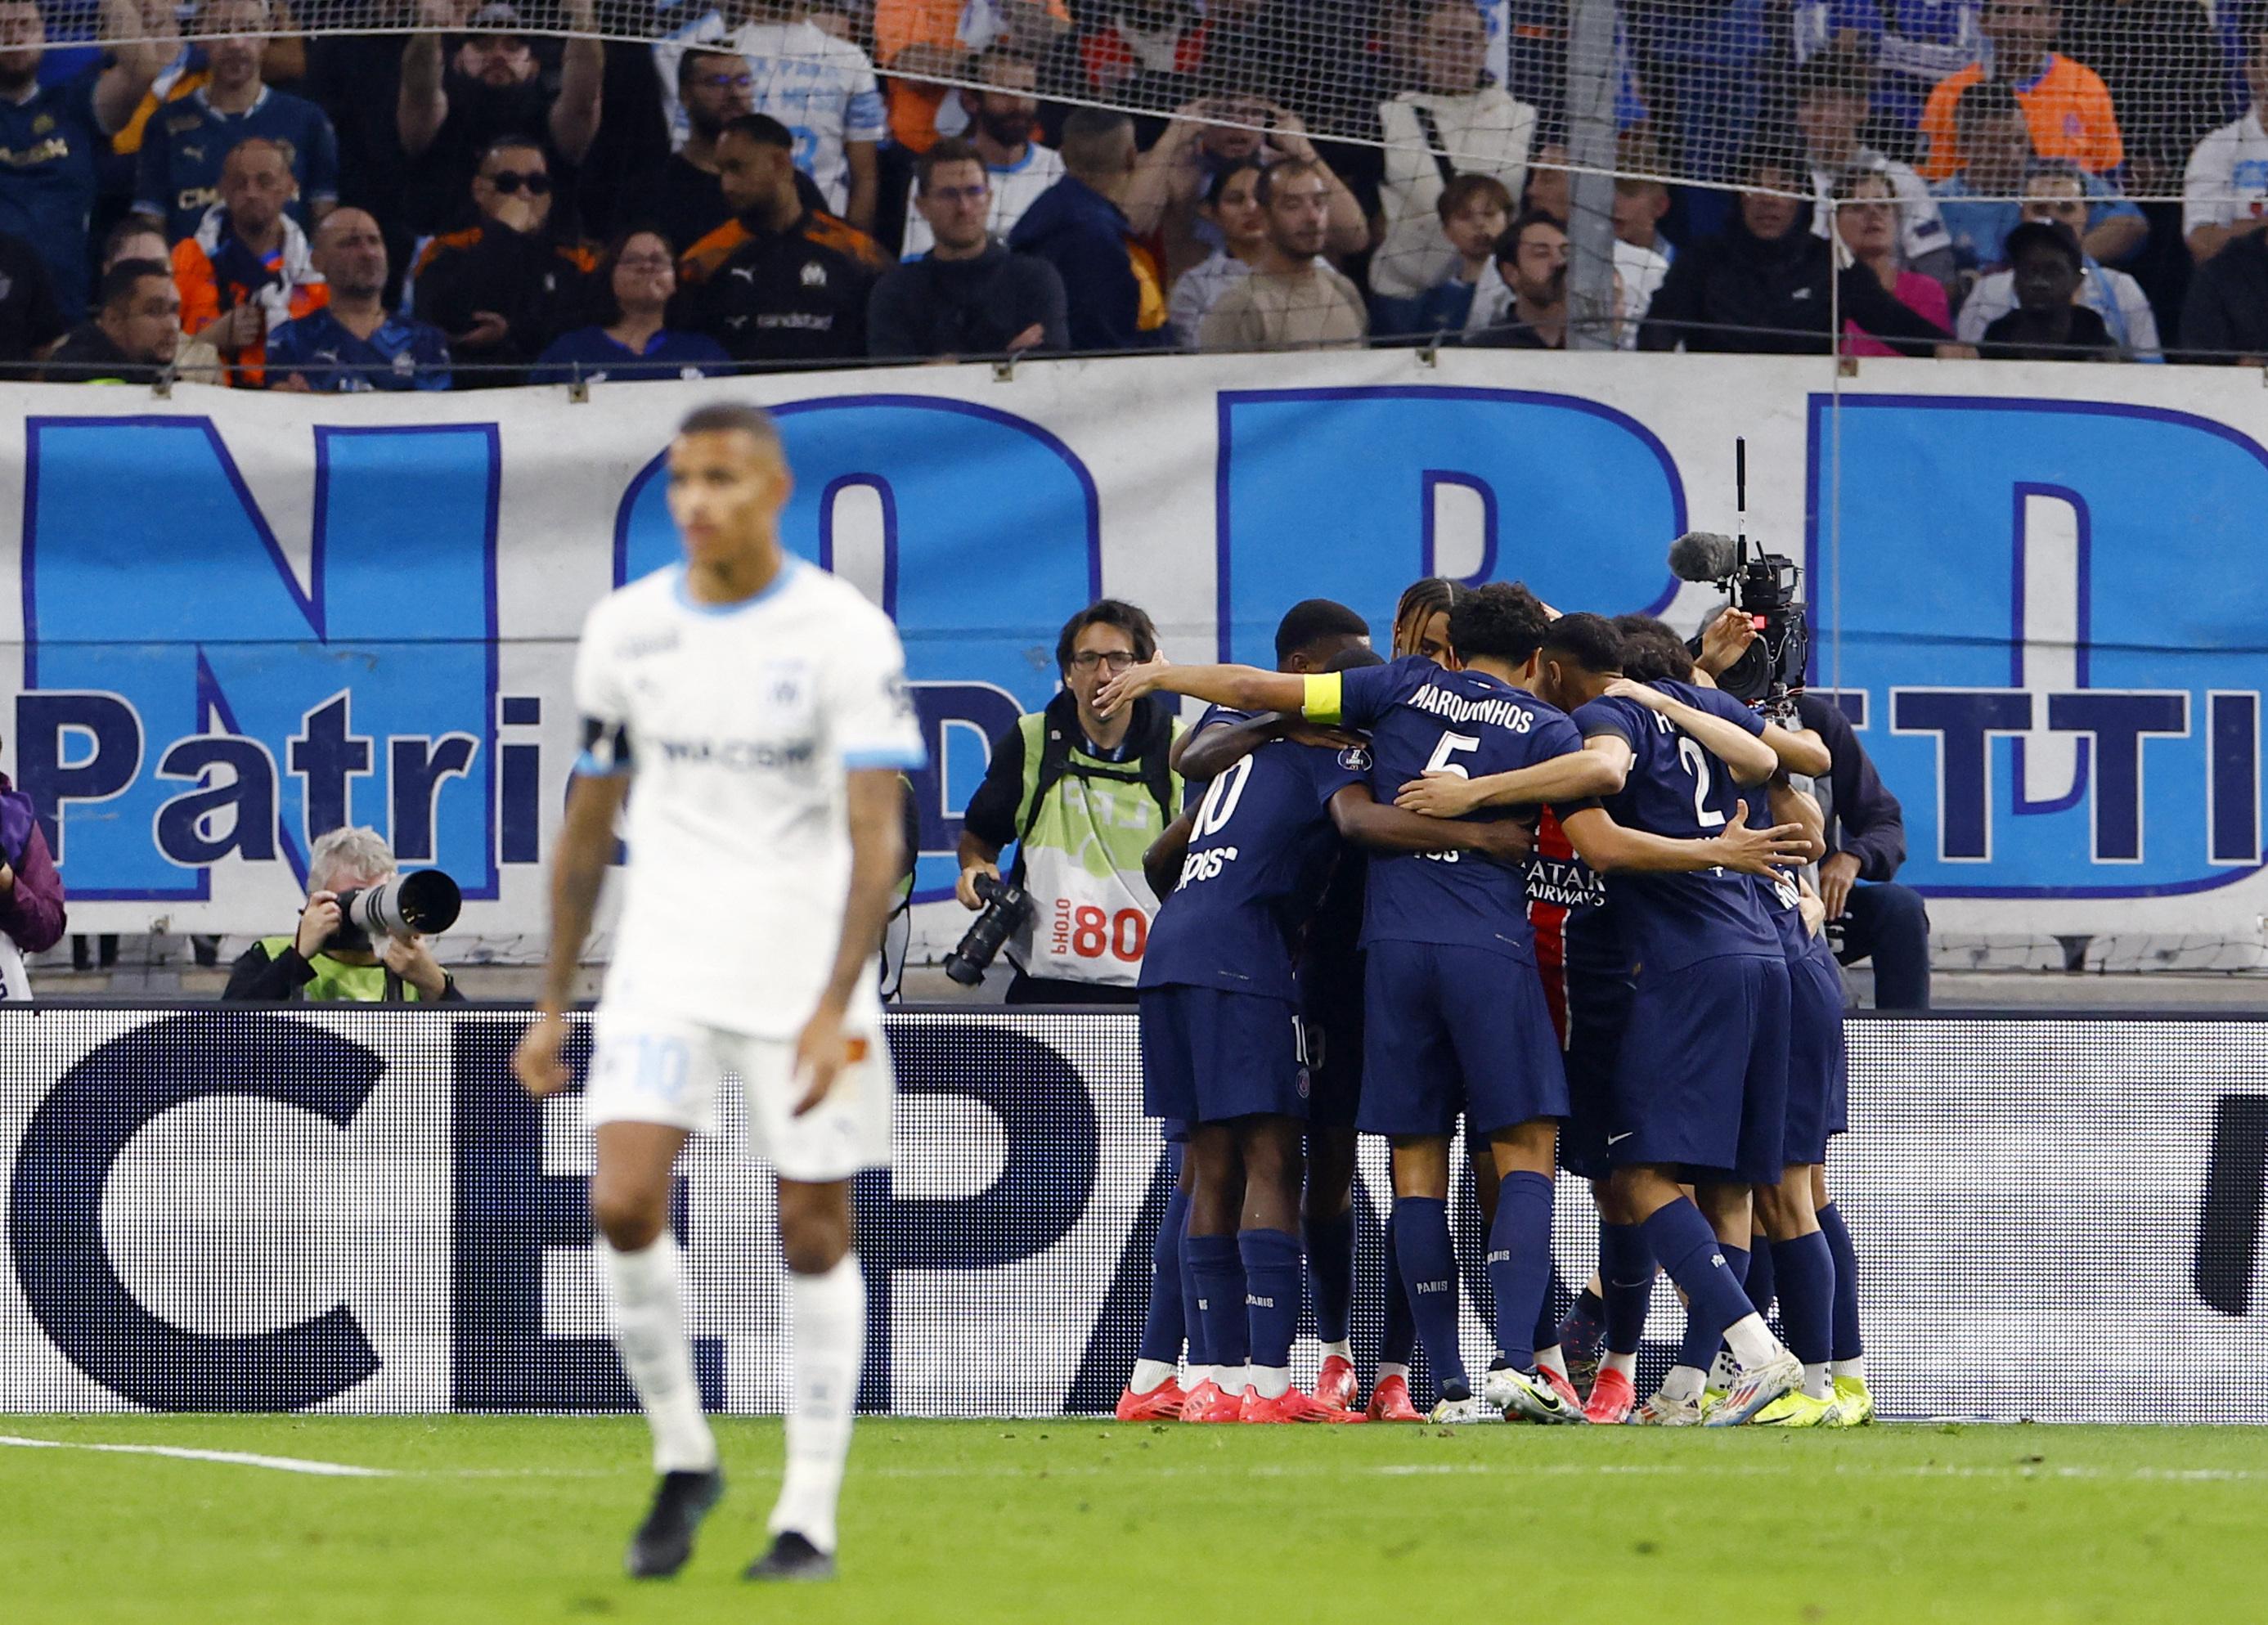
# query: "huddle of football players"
[[1537, 876]]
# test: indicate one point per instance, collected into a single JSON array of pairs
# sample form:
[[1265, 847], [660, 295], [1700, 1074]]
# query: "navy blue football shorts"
[[1594, 1040], [1209, 1056], [1450, 1029], [1702, 1080], [1818, 1076]]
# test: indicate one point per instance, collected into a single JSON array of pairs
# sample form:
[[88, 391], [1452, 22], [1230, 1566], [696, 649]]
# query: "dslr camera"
[[1006, 911]]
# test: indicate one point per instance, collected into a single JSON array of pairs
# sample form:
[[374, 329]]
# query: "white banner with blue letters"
[[236, 620]]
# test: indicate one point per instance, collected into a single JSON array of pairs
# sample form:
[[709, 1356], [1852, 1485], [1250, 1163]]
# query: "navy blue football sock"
[[1429, 1267], [1546, 1335], [1331, 1267], [1271, 1293], [1807, 1296], [1703, 1334], [1219, 1271], [1714, 1297], [1626, 1271], [1397, 1339], [1764, 1280], [1519, 1265], [1192, 1320], [1847, 1343], [1166, 1324]]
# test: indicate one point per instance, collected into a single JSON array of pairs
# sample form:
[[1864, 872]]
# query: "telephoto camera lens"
[[424, 901]]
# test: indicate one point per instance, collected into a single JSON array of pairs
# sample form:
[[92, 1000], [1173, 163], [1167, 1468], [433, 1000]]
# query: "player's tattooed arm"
[[1791, 805], [1161, 864], [1239, 687], [1750, 758], [1799, 750], [1610, 848], [1209, 752], [1361, 819], [877, 817], [578, 868], [1574, 775]]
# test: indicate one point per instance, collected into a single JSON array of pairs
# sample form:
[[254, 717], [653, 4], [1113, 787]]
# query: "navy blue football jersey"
[[1778, 895], [1678, 789], [1423, 719], [1257, 859]]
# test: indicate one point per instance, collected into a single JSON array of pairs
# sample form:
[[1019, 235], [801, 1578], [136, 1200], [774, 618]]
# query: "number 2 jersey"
[[1259, 852], [1422, 717], [741, 722], [1678, 789]]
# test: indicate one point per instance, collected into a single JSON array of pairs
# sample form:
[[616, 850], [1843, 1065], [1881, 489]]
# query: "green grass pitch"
[[524, 1519]]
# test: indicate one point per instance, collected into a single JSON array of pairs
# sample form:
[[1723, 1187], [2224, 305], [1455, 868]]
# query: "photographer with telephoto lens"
[[362, 937]]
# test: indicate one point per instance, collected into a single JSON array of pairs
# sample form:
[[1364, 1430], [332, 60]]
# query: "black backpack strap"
[[1436, 148], [1153, 768], [1157, 772], [1055, 723]]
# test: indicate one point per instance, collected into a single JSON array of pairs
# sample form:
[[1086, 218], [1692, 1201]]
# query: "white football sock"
[[1149, 1375], [1271, 1380], [1682, 1383], [830, 1350], [1551, 1358], [1816, 1383], [1391, 1368], [645, 1307], [1343, 1348], [1849, 1368], [1724, 1371], [1752, 1342], [1232, 1378], [1626, 1364]]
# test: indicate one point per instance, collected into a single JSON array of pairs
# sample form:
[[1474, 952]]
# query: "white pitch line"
[[234, 1458]]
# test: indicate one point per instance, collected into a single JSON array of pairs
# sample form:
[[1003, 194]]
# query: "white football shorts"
[[657, 1068]]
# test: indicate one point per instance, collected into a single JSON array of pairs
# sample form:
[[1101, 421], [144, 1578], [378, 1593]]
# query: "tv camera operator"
[[1082, 796], [362, 937], [1756, 649]]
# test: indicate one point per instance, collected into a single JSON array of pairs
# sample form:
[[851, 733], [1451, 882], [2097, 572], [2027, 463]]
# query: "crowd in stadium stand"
[[473, 205]]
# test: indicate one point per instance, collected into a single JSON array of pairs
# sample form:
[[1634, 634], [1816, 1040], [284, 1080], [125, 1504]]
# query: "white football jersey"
[[739, 723], [1014, 189], [823, 89], [2227, 176]]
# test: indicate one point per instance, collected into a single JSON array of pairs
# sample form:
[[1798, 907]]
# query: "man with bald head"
[[246, 271], [354, 342]]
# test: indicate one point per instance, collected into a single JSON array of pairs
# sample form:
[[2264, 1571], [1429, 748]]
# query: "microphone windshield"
[[1702, 555]]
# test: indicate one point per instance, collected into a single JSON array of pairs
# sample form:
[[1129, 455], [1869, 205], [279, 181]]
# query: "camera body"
[[1763, 586], [1007, 910]]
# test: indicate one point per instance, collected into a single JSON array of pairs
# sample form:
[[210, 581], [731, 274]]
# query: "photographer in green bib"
[[1081, 796], [329, 959]]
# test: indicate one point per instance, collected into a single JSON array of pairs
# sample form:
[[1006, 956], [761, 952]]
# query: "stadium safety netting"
[[1686, 92]]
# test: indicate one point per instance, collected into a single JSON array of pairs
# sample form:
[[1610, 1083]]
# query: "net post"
[[1591, 190]]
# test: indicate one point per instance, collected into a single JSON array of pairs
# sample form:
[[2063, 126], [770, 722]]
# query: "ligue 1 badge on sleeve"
[[1355, 759]]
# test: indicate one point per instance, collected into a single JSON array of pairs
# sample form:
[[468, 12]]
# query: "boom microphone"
[[1703, 555]]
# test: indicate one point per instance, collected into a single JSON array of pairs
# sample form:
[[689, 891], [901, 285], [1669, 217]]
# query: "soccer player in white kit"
[[761, 706]]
